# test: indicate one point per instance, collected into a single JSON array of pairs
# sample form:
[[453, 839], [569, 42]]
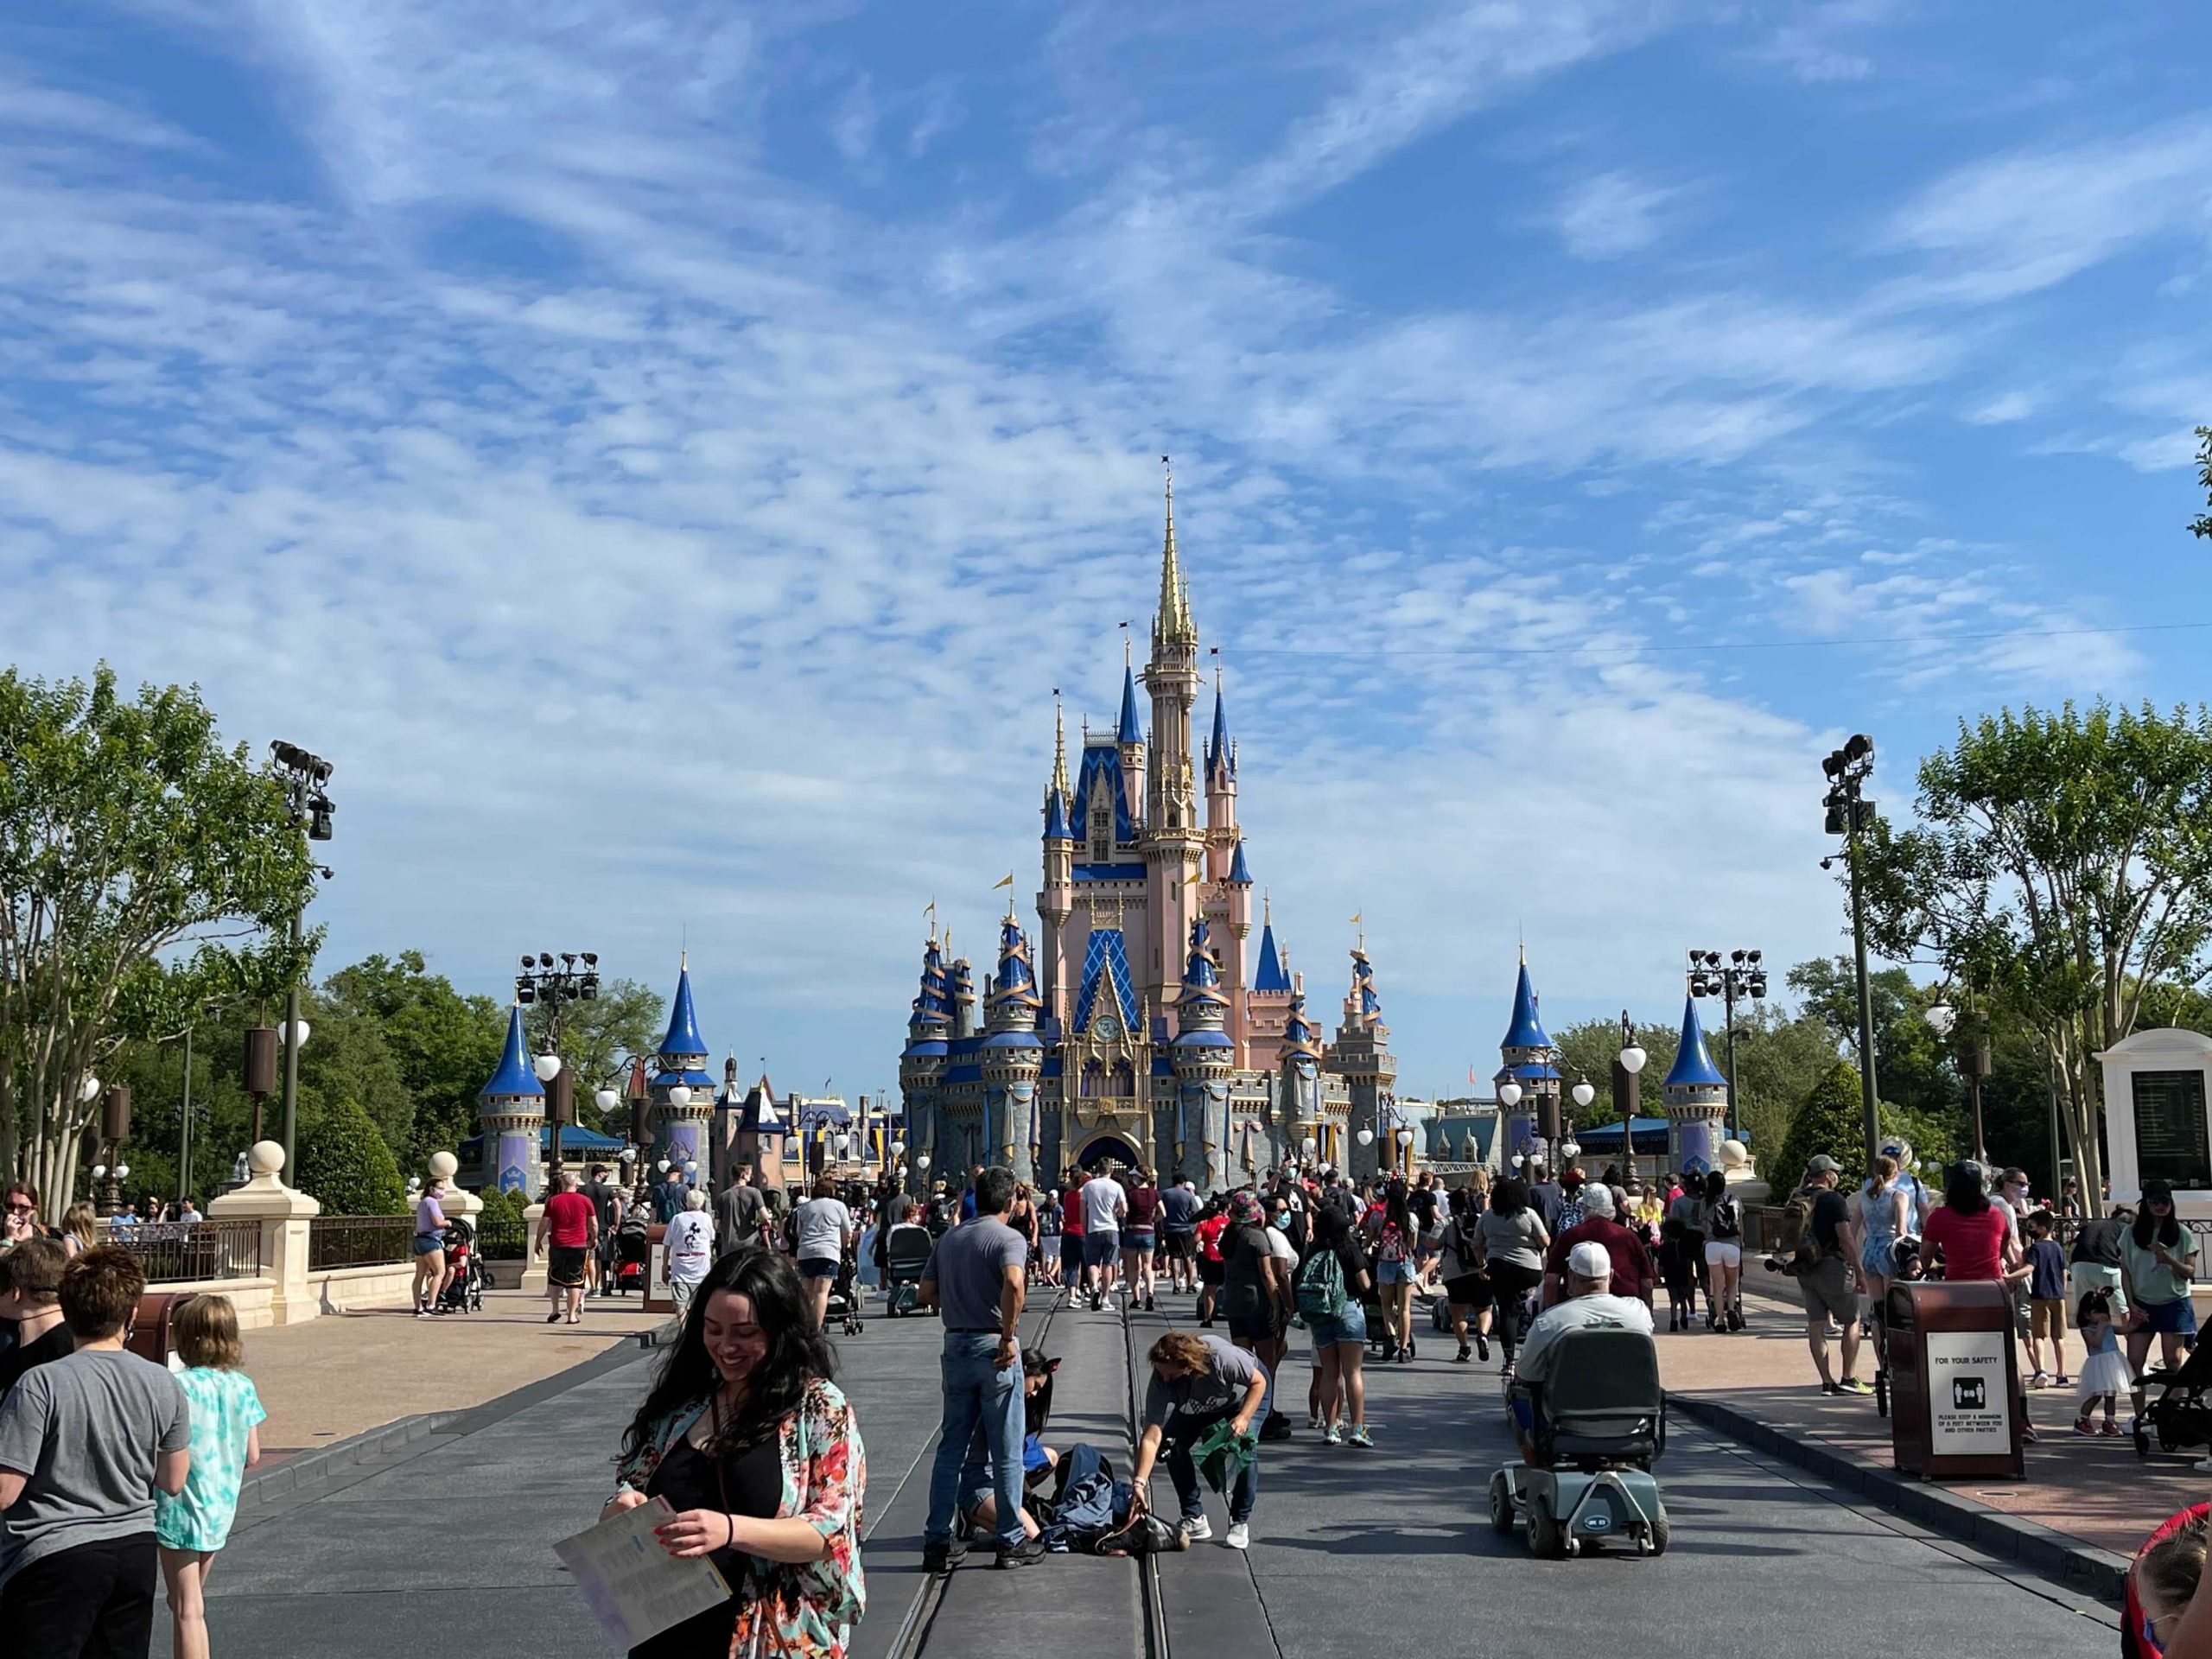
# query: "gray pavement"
[[450, 1540]]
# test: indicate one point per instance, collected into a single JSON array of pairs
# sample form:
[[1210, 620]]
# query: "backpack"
[[1800, 1249], [1727, 1219], [1321, 1287], [1392, 1245]]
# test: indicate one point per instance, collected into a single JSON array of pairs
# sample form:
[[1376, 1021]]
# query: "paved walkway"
[[1351, 1550], [2097, 1491], [343, 1373]]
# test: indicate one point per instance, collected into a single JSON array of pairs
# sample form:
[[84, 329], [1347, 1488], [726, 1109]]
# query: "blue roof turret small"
[[1014, 990], [1127, 731], [1270, 975], [1693, 1067], [1526, 1030], [682, 1038], [1201, 976], [1238, 869], [1301, 1038], [1056, 817], [514, 1079], [1220, 757]]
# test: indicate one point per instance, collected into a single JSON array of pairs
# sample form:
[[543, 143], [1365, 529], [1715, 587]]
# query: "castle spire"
[[1218, 752], [1059, 746], [1174, 620], [1129, 731]]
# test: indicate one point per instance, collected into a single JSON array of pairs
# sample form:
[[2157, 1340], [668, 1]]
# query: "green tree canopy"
[[599, 1037], [2063, 866], [441, 1046], [345, 1163], [144, 869]]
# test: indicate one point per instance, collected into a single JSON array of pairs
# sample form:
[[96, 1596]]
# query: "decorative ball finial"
[[266, 1158]]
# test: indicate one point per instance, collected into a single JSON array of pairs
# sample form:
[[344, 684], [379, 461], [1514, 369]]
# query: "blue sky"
[[666, 457]]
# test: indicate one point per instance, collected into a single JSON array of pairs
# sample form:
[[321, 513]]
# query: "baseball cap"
[[1588, 1260], [1822, 1164]]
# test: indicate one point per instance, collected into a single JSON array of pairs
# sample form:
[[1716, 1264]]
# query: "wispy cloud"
[[1613, 215]]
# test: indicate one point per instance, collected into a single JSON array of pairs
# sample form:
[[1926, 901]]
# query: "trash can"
[[1954, 1380], [658, 1297]]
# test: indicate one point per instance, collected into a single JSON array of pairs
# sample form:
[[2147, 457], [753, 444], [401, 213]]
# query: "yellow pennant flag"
[[1194, 878], [1008, 882], [1355, 918]]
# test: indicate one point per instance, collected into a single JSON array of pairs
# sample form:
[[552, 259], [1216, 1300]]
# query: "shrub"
[[345, 1163]]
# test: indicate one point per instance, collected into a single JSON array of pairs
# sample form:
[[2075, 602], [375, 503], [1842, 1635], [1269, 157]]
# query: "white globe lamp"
[[605, 1099], [1509, 1095], [1405, 1137], [1941, 1019], [1632, 1059], [1583, 1094], [922, 1161], [1365, 1137], [679, 1096], [548, 1067]]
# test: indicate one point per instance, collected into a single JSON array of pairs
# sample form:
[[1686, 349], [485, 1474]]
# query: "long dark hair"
[[1716, 1187], [1509, 1197], [2146, 1225], [1965, 1189], [1395, 1210], [797, 1354]]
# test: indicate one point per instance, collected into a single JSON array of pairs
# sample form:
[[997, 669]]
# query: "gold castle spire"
[[1174, 622], [1059, 746]]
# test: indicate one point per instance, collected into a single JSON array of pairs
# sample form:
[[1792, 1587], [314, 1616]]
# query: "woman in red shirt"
[[1212, 1270], [1976, 1243]]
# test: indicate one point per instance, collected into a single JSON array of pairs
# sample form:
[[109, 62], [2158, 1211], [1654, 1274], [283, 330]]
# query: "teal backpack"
[[1321, 1287]]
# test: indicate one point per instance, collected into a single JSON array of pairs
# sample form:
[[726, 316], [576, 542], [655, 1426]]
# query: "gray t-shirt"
[[969, 1267], [1512, 1239], [85, 1431], [823, 1224], [1215, 1392]]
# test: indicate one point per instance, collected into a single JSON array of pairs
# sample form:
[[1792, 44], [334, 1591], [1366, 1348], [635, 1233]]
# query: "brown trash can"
[[150, 1326], [1955, 1381]]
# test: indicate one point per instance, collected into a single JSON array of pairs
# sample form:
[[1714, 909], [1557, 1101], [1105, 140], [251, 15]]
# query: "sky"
[[666, 457]]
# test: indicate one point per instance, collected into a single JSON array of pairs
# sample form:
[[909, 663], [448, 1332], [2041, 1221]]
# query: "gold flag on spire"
[[1355, 919], [1007, 882]]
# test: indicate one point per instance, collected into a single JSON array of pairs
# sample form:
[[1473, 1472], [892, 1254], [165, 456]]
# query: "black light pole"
[[303, 776], [1849, 814], [1626, 1065], [1741, 975], [540, 981]]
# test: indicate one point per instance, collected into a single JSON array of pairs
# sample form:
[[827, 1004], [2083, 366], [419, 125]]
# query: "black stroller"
[[633, 1246], [466, 1280], [2180, 1415], [845, 1295], [905, 1253]]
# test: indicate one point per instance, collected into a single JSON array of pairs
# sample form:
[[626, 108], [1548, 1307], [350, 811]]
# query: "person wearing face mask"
[[744, 1411]]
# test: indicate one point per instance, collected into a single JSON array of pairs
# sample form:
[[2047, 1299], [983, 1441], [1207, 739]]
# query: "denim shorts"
[[1137, 1238], [1394, 1273], [1352, 1327], [2168, 1318], [425, 1242]]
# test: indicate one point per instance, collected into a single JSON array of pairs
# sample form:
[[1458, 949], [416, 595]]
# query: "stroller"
[[2180, 1415], [845, 1295], [905, 1253], [630, 1249], [468, 1280]]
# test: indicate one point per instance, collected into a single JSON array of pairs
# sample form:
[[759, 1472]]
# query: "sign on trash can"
[[1955, 1381]]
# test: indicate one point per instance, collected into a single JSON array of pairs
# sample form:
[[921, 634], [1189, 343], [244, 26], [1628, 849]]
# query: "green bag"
[[1223, 1454]]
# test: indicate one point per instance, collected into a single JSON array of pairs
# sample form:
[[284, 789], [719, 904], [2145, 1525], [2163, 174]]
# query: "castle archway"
[[1103, 1147]]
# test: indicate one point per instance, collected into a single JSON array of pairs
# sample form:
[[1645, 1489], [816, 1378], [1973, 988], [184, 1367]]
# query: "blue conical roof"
[[1217, 745], [1526, 1030], [514, 1076], [1056, 817], [1270, 975], [1238, 869], [1693, 1067], [683, 1021], [1129, 731]]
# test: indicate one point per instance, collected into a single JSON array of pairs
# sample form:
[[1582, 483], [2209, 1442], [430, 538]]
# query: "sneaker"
[[1197, 1530], [2039, 1379], [2111, 1428], [1360, 1438], [1464, 1354], [1151, 1306], [1831, 1388], [1482, 1348], [2082, 1426], [1735, 1318], [1332, 1435], [1240, 1535], [1277, 1428], [943, 1557], [553, 1318], [1024, 1554], [1312, 1420], [1853, 1385]]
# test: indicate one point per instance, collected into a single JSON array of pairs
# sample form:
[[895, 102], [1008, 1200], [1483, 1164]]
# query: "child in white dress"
[[2105, 1373]]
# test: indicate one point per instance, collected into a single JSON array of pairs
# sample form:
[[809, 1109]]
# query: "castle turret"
[[1361, 1056], [922, 1064], [1055, 902], [1128, 743], [1204, 1057], [1222, 837], [683, 1093], [966, 1019], [511, 1108], [1696, 1097], [1174, 839], [1528, 1055], [1012, 1059]]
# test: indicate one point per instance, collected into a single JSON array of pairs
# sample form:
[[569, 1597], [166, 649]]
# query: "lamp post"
[[1509, 1096], [302, 776], [1626, 1065], [291, 1038], [576, 980], [1742, 974], [1849, 815], [1973, 1060], [1582, 1094]]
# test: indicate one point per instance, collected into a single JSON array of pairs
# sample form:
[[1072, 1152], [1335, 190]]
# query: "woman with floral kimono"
[[758, 1453]]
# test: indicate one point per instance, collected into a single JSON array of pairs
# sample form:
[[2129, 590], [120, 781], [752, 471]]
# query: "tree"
[[1914, 1065], [1586, 1050], [2060, 870], [443, 1047], [145, 868], [345, 1163], [1830, 1119], [2202, 524], [599, 1037]]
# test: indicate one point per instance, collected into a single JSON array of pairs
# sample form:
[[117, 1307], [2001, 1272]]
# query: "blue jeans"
[[1184, 1473], [982, 1422]]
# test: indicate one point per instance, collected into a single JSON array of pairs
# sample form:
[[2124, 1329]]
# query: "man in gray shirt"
[[977, 1277], [738, 1215], [83, 1441]]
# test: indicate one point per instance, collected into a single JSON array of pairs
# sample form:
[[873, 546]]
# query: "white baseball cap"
[[1588, 1260]]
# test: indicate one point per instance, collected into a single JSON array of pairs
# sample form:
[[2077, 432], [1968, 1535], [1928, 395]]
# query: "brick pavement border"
[[2041, 1550]]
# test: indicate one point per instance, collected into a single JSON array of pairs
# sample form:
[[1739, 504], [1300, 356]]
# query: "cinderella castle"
[[1144, 1028]]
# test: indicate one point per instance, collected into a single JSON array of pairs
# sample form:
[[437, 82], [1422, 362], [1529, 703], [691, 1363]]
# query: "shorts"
[[1723, 1253], [1827, 1290], [1099, 1249], [1137, 1238], [1394, 1273], [818, 1267], [2050, 1317], [1468, 1290], [426, 1243], [1212, 1272], [1352, 1327], [2168, 1318], [1180, 1247], [1267, 1325], [680, 1291], [2082, 1277], [564, 1266], [1878, 1258]]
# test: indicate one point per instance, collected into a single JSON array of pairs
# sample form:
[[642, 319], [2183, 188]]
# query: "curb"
[[2042, 1550], [308, 1468]]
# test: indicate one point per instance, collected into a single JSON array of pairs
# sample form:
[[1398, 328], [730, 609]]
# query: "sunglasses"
[[19, 1208]]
